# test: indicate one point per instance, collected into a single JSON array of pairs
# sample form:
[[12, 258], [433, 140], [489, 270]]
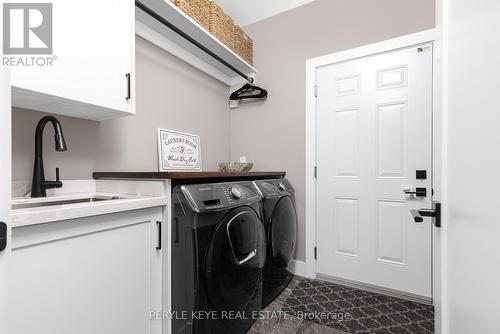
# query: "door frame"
[[312, 65]]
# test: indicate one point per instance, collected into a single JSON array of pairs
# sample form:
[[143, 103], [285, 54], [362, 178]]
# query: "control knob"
[[236, 193], [281, 186]]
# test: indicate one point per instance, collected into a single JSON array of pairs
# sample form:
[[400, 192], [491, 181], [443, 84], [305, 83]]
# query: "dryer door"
[[234, 262], [282, 232]]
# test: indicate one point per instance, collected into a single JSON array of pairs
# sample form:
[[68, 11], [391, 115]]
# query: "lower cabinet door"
[[96, 275]]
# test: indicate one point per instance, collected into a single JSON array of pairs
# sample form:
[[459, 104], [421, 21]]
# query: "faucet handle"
[[53, 184]]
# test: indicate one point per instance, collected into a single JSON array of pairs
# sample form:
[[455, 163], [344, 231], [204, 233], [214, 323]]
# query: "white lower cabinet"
[[96, 275]]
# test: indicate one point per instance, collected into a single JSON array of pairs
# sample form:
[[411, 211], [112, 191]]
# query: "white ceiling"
[[245, 12]]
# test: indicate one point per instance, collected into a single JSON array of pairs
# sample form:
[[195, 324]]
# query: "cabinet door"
[[96, 275], [93, 46]]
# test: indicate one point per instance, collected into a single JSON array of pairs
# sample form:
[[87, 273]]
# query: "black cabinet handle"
[[176, 230], [128, 86], [3, 236], [159, 235]]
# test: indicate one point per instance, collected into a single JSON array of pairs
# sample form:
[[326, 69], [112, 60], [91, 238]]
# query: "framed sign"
[[178, 151]]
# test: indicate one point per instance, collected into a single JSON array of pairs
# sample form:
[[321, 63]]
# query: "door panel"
[[346, 143], [346, 232], [391, 134], [391, 234], [374, 131]]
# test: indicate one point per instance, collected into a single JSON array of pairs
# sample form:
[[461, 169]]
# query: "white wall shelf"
[[163, 37]]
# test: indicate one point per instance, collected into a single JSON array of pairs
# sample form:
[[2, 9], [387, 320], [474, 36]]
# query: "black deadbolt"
[[421, 174]]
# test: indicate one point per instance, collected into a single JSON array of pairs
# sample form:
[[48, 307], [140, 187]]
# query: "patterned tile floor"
[[400, 316]]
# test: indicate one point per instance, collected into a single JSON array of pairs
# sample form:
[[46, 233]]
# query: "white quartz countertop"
[[49, 212]]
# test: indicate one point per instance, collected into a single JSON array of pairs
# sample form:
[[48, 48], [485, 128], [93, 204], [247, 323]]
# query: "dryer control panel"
[[274, 188], [217, 196]]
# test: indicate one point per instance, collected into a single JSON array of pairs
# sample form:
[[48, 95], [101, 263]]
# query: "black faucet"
[[39, 184]]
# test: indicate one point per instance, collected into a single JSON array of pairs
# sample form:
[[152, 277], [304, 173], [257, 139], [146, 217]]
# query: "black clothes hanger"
[[248, 91]]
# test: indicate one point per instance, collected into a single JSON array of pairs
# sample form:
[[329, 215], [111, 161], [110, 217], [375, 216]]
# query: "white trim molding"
[[375, 48], [297, 268], [311, 66]]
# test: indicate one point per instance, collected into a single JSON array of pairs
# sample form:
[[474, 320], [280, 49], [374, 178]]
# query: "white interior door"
[[5, 190], [374, 132], [471, 159]]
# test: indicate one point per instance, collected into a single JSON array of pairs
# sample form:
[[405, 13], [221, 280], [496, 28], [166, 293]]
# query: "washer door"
[[234, 262], [282, 232]]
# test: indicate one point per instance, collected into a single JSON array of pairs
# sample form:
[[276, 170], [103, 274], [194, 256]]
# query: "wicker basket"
[[243, 45], [198, 10], [220, 25], [209, 15]]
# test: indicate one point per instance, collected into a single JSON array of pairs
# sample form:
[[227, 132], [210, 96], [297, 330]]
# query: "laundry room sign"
[[178, 151]]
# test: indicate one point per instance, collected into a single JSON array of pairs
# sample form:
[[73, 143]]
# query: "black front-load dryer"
[[280, 222], [218, 255]]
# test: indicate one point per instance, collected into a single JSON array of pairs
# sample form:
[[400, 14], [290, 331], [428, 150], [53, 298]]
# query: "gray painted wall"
[[78, 162], [173, 95], [272, 134], [170, 94]]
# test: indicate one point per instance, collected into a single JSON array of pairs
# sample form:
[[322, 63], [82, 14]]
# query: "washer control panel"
[[235, 192], [218, 196]]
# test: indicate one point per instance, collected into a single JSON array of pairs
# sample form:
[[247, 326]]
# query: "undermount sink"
[[62, 202]]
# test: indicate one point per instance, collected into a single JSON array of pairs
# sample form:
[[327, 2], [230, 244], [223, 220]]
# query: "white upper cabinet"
[[94, 55]]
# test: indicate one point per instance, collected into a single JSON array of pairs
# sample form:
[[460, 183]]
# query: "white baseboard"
[[376, 289], [298, 268]]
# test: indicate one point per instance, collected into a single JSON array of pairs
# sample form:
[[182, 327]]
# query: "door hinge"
[[315, 253], [315, 172], [315, 90]]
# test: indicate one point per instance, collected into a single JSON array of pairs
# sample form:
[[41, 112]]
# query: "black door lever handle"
[[418, 215]]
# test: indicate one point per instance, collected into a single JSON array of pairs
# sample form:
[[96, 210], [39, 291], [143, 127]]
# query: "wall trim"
[[297, 268], [311, 67], [377, 289]]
